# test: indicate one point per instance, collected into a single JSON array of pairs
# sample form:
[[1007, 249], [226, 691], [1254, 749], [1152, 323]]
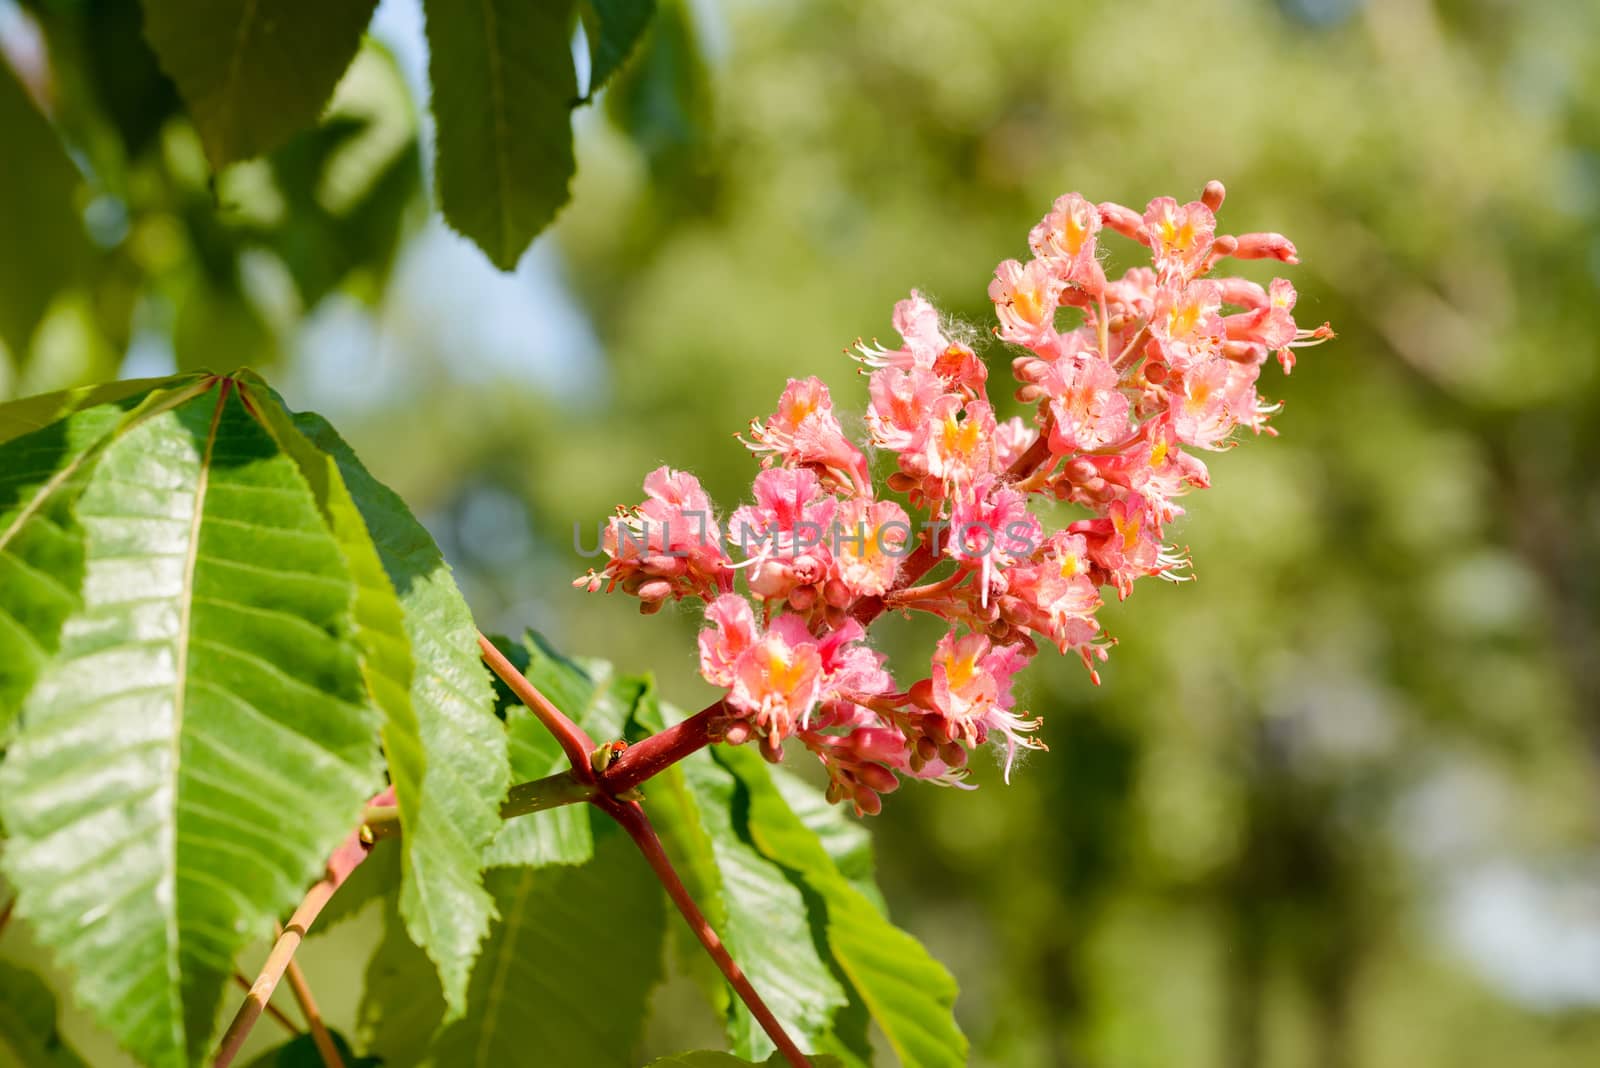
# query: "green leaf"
[[705, 1058], [451, 819], [29, 1037], [503, 90], [908, 993], [301, 1052], [203, 738], [568, 968], [42, 471], [401, 1003], [252, 73], [846, 840], [24, 416], [613, 28], [754, 907], [599, 703], [46, 249]]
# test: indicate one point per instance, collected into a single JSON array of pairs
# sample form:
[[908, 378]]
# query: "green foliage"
[[239, 606], [451, 812], [29, 1037], [46, 249], [598, 702], [301, 1052], [713, 1059], [613, 28], [569, 966], [503, 86], [907, 992], [254, 74], [761, 916], [217, 620]]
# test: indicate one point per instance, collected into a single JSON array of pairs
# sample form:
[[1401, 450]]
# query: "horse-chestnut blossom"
[[1147, 369]]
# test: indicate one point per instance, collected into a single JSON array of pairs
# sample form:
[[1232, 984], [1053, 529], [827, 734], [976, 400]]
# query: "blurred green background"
[[1335, 803]]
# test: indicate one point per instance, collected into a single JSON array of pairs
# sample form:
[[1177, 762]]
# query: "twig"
[[632, 818], [308, 1008], [271, 1009], [5, 914], [552, 791], [345, 860], [575, 741]]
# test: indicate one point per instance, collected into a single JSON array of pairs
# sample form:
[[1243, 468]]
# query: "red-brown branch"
[[271, 1009], [575, 741], [351, 852], [308, 1008], [632, 818]]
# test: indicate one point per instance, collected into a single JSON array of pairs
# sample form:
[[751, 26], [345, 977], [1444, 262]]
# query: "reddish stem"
[[575, 741], [308, 1008], [351, 852], [272, 1010], [633, 820], [655, 754]]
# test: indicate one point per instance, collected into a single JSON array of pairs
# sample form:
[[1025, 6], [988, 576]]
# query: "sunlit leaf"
[[908, 993], [758, 912], [204, 737], [42, 471], [450, 706], [568, 968]]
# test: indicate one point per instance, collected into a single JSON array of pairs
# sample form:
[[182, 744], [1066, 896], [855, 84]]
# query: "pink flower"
[[785, 533], [1055, 594], [902, 405], [852, 671], [669, 545], [972, 693], [1025, 299], [990, 529], [777, 680], [1087, 410], [868, 541], [1012, 439], [959, 447], [805, 433], [1067, 233], [1160, 362], [1180, 236], [1187, 326], [732, 631]]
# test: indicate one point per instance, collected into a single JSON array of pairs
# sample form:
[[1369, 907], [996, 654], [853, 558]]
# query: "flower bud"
[[953, 754], [801, 598], [738, 733], [877, 777], [1213, 194], [868, 802], [772, 748]]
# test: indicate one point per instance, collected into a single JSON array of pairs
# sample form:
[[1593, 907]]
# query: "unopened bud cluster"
[[1155, 364]]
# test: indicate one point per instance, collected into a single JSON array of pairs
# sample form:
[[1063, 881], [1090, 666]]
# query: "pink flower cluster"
[[1159, 362]]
